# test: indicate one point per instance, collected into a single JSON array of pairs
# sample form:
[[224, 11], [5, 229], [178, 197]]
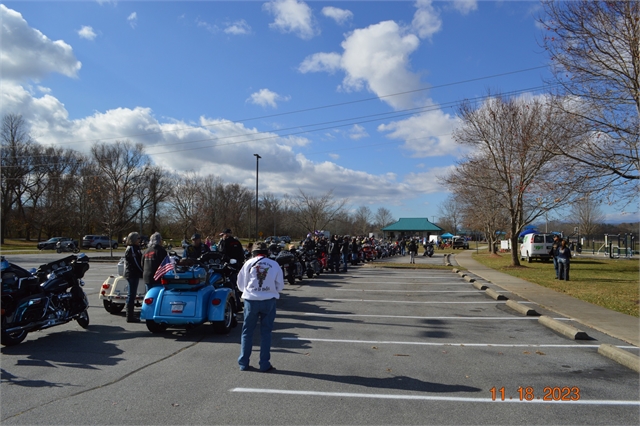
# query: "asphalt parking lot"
[[370, 346]]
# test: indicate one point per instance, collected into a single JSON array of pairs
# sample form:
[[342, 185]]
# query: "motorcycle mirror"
[[233, 261]]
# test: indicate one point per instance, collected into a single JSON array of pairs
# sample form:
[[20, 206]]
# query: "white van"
[[536, 246]]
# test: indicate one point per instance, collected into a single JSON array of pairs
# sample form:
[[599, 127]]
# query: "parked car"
[[285, 238], [460, 243], [273, 240], [98, 242], [50, 244]]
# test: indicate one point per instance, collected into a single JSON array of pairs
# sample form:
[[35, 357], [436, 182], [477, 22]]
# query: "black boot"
[[130, 315]]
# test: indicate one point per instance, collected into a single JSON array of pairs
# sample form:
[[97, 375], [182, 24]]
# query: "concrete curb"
[[480, 286], [524, 310], [468, 278], [495, 295], [564, 329], [620, 356]]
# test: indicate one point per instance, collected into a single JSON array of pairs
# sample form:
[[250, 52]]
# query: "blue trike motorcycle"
[[194, 293]]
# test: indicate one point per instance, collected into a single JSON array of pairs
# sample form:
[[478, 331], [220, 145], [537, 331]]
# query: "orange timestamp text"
[[549, 393]]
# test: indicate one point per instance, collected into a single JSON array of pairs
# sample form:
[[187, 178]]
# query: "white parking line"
[[394, 283], [427, 397], [481, 345], [413, 301], [430, 318], [420, 291]]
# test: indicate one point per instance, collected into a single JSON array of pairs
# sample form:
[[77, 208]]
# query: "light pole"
[[257, 162]]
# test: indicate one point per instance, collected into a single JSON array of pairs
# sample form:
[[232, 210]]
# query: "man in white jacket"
[[260, 280]]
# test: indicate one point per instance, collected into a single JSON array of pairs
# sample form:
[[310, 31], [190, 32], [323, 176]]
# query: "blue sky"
[[313, 87]]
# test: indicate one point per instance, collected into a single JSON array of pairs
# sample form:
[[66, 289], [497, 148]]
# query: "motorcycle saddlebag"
[[285, 258]]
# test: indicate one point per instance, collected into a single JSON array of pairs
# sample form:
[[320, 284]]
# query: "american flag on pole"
[[166, 266]]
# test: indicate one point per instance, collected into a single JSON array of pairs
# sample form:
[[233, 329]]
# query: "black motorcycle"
[[51, 295], [66, 246], [428, 249]]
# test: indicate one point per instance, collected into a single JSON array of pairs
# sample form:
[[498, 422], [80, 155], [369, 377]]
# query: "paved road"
[[372, 346]]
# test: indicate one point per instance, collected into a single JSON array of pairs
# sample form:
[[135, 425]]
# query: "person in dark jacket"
[[554, 254], [196, 249], [151, 260], [132, 272], [564, 260], [231, 247], [344, 251], [334, 257]]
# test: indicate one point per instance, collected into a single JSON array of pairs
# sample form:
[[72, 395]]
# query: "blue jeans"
[[555, 266], [133, 291], [345, 259], [563, 269], [265, 311]]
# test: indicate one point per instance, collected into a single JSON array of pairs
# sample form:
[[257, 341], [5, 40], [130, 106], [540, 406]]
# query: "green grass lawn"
[[611, 283]]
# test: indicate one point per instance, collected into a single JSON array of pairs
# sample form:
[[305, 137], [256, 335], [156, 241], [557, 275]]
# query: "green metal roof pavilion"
[[414, 224]]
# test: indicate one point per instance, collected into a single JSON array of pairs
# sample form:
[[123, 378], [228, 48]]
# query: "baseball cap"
[[195, 237]]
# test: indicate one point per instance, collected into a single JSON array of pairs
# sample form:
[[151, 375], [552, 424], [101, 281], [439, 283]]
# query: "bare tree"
[[480, 207], [123, 167], [510, 139], [185, 201], [450, 215], [159, 187], [362, 219], [17, 149], [595, 57], [270, 212], [383, 218], [316, 212], [587, 212]]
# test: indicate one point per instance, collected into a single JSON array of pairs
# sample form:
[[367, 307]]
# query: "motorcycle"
[[38, 299], [195, 292], [312, 266], [66, 246], [291, 268], [428, 250]]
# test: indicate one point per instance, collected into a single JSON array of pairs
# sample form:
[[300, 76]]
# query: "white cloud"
[[328, 62], [334, 156], [465, 6], [133, 19], [357, 132], [265, 97], [428, 134], [87, 32], [28, 54], [426, 20], [339, 15], [292, 16], [203, 24], [376, 58], [238, 28]]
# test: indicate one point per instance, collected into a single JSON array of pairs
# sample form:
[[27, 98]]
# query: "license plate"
[[177, 308]]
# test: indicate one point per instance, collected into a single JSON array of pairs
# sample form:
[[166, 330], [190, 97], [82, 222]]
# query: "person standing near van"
[[554, 253], [564, 260]]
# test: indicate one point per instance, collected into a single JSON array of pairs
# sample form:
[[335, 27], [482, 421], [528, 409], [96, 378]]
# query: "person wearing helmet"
[[132, 272], [196, 248]]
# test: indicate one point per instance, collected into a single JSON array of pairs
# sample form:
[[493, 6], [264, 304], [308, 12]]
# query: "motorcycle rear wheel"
[[229, 321], [113, 308], [291, 279], [12, 339], [83, 319]]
